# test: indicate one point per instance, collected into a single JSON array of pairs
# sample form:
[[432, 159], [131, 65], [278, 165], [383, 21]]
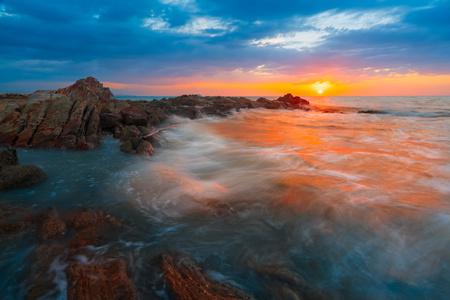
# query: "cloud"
[[163, 41]]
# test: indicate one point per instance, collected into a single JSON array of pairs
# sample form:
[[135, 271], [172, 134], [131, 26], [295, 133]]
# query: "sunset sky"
[[228, 47]]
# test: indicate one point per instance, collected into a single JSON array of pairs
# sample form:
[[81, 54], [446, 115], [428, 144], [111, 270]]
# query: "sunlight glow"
[[320, 91]]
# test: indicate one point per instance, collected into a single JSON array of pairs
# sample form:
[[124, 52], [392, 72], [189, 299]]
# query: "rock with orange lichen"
[[104, 280], [187, 281]]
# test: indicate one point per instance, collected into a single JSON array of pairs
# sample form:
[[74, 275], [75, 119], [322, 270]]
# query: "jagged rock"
[[262, 100], [87, 89], [105, 280], [293, 102], [187, 281]]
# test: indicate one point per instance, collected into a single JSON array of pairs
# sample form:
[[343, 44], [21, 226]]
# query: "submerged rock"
[[13, 175], [187, 281], [104, 280], [51, 225], [280, 283]]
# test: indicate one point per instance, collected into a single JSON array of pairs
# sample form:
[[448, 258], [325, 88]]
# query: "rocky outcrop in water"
[[75, 117], [187, 281], [13, 175]]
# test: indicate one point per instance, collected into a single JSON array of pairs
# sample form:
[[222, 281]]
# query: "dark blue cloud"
[[57, 40]]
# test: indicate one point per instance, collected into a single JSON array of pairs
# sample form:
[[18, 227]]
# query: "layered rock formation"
[[74, 117]]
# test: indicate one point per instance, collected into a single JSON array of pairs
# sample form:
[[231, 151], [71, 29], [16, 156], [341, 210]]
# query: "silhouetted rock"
[[186, 281]]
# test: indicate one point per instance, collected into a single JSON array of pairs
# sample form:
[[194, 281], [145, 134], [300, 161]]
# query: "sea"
[[353, 197]]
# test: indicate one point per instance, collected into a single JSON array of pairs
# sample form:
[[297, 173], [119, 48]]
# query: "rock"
[[134, 116], [281, 283], [105, 280], [8, 157], [128, 133], [187, 281], [126, 147], [262, 100], [145, 148], [17, 176], [42, 279], [189, 112], [88, 89], [109, 120], [51, 225], [89, 218], [293, 102], [218, 207], [273, 105]]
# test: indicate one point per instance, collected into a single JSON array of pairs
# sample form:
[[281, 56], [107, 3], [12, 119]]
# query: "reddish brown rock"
[[90, 218], [89, 89], [51, 225], [145, 148], [134, 116], [42, 279], [105, 280], [187, 281]]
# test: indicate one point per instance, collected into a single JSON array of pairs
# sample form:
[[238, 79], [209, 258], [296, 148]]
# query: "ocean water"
[[357, 204]]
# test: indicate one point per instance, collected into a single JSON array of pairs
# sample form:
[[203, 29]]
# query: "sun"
[[320, 91]]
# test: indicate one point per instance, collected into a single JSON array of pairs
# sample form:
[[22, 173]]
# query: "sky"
[[231, 47]]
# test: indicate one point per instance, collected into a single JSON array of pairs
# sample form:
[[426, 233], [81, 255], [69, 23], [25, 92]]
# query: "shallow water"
[[357, 204]]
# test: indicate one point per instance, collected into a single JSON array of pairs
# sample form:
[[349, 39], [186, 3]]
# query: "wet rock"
[[13, 227], [145, 148], [105, 280], [128, 133], [126, 147], [51, 225], [281, 283], [186, 281], [218, 207], [8, 157], [42, 282], [273, 105], [189, 112], [17, 176], [293, 101], [90, 218], [263, 100]]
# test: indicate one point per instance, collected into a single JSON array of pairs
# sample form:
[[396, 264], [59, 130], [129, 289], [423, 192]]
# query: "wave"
[[435, 114]]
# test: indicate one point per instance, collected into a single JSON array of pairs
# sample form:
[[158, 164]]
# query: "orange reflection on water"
[[333, 157]]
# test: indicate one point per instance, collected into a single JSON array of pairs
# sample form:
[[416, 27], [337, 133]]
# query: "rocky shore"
[[77, 116]]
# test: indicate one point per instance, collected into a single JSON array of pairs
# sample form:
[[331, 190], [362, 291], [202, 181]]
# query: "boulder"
[[134, 116], [145, 148], [13, 175], [187, 281], [273, 105]]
